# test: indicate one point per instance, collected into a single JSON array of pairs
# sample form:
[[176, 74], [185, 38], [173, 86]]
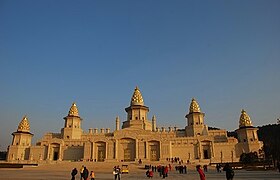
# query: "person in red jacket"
[[200, 172]]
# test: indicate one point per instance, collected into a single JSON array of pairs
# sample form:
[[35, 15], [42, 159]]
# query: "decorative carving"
[[194, 107], [73, 110], [244, 119], [24, 125], [137, 98]]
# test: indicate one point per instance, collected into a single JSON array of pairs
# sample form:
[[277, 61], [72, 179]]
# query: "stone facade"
[[138, 138]]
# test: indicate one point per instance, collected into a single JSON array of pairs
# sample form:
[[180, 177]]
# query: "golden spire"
[[194, 107], [244, 119], [24, 125], [137, 98], [73, 110]]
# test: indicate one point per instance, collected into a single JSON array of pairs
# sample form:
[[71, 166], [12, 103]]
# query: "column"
[[170, 149], [147, 150], [49, 152], [136, 149], [212, 148], [92, 151], [116, 150], [59, 153]]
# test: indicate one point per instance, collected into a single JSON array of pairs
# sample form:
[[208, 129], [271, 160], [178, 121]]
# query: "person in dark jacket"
[[85, 174], [74, 173], [229, 172]]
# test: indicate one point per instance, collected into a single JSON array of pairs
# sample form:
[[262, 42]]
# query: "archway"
[[100, 151], [55, 151], [206, 153], [128, 149], [154, 150]]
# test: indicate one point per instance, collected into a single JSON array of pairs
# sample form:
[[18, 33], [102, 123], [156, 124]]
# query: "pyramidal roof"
[[137, 98], [194, 106], [73, 110], [244, 120], [24, 125]]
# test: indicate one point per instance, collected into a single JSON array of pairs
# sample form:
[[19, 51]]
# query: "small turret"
[[21, 142], [247, 135], [117, 123], [154, 123]]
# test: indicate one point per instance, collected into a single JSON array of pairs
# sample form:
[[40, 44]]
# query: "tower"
[[137, 113], [72, 127], [196, 126], [248, 140], [19, 150]]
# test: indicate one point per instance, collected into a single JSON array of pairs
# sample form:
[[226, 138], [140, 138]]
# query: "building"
[[137, 138]]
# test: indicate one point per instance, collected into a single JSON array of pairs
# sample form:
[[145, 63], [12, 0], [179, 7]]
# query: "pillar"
[[116, 150], [136, 149], [60, 153], [92, 151], [147, 150]]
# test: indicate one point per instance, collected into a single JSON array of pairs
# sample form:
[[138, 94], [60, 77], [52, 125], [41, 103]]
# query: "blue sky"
[[226, 54]]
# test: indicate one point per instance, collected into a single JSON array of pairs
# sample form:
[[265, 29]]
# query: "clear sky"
[[226, 54]]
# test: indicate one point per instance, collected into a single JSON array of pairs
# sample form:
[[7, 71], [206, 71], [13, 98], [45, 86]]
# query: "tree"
[[248, 158]]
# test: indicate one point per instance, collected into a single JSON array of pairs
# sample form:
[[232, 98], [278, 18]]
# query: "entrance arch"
[[153, 150], [206, 150], [100, 147], [55, 151], [127, 149]]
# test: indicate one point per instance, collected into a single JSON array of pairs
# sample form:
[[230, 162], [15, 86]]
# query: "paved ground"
[[61, 171]]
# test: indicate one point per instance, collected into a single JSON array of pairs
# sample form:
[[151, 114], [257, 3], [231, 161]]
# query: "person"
[[205, 168], [92, 175], [74, 173], [150, 173], [165, 172], [200, 172], [117, 172], [217, 167], [185, 169], [85, 173], [278, 165], [82, 172], [229, 172]]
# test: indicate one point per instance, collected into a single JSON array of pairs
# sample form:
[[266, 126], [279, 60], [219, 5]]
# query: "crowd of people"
[[227, 168], [84, 174], [162, 171]]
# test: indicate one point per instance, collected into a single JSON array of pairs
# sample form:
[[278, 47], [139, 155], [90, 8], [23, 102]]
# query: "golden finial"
[[244, 119], [137, 98], [24, 125], [73, 110], [194, 107]]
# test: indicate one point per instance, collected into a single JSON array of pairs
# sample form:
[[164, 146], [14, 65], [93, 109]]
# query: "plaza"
[[103, 170]]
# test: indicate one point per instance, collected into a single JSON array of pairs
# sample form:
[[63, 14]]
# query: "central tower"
[[72, 127], [137, 113], [196, 126]]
